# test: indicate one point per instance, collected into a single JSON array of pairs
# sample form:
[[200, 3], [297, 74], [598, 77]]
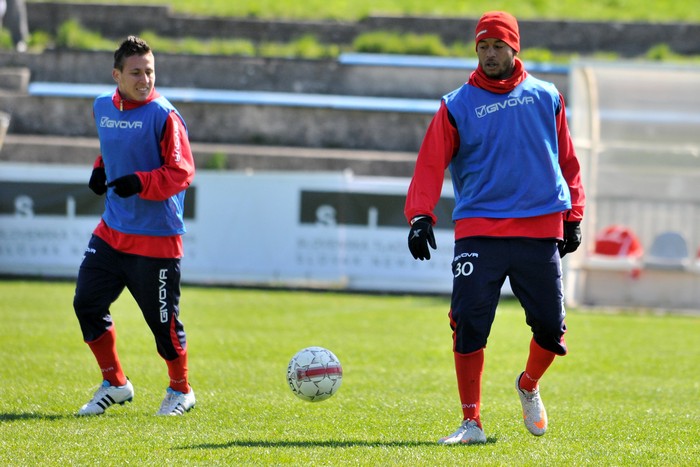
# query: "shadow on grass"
[[13, 417], [313, 444]]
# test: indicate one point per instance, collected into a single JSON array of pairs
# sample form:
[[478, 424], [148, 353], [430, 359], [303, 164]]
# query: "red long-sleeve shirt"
[[441, 143], [175, 175]]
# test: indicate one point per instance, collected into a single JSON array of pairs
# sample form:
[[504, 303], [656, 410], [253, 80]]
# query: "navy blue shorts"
[[153, 282], [480, 267]]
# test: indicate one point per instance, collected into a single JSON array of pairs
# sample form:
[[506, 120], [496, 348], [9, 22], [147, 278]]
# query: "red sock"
[[177, 370], [537, 363], [104, 348], [469, 368]]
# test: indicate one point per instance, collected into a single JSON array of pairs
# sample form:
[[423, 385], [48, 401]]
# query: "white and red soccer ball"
[[314, 374]]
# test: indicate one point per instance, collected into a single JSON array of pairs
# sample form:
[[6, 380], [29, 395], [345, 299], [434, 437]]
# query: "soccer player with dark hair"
[[144, 168]]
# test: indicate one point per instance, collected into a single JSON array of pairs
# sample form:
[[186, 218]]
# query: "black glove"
[[420, 236], [98, 181], [126, 186], [572, 238]]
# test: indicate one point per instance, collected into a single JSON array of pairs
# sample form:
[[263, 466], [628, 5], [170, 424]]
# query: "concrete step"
[[43, 149], [235, 117], [359, 101], [378, 75], [14, 79], [117, 20]]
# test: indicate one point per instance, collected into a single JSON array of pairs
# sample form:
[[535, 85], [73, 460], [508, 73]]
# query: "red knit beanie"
[[499, 25]]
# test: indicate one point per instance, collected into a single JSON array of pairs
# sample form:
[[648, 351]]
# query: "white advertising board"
[[287, 229]]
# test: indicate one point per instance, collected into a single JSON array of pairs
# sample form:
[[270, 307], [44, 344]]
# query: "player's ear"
[[116, 74]]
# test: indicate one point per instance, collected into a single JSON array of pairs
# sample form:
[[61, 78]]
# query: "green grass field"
[[626, 395]]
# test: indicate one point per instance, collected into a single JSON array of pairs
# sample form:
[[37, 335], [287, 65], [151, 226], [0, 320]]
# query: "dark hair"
[[131, 46]]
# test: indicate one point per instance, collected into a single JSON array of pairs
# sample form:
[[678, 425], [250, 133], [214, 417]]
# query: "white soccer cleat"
[[534, 413], [176, 402], [106, 396], [467, 433]]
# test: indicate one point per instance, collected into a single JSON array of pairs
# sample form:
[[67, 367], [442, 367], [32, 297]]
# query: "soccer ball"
[[314, 374]]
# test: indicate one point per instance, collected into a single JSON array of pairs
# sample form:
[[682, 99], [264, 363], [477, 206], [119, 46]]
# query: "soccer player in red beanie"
[[518, 207], [144, 169]]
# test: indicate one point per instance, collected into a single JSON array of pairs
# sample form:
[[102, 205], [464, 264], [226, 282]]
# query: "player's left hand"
[[126, 186], [572, 238], [420, 236]]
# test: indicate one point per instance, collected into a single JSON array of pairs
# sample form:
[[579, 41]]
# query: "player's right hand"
[[98, 181], [420, 236]]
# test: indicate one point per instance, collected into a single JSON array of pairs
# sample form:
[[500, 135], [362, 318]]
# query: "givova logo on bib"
[[485, 110], [106, 122]]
